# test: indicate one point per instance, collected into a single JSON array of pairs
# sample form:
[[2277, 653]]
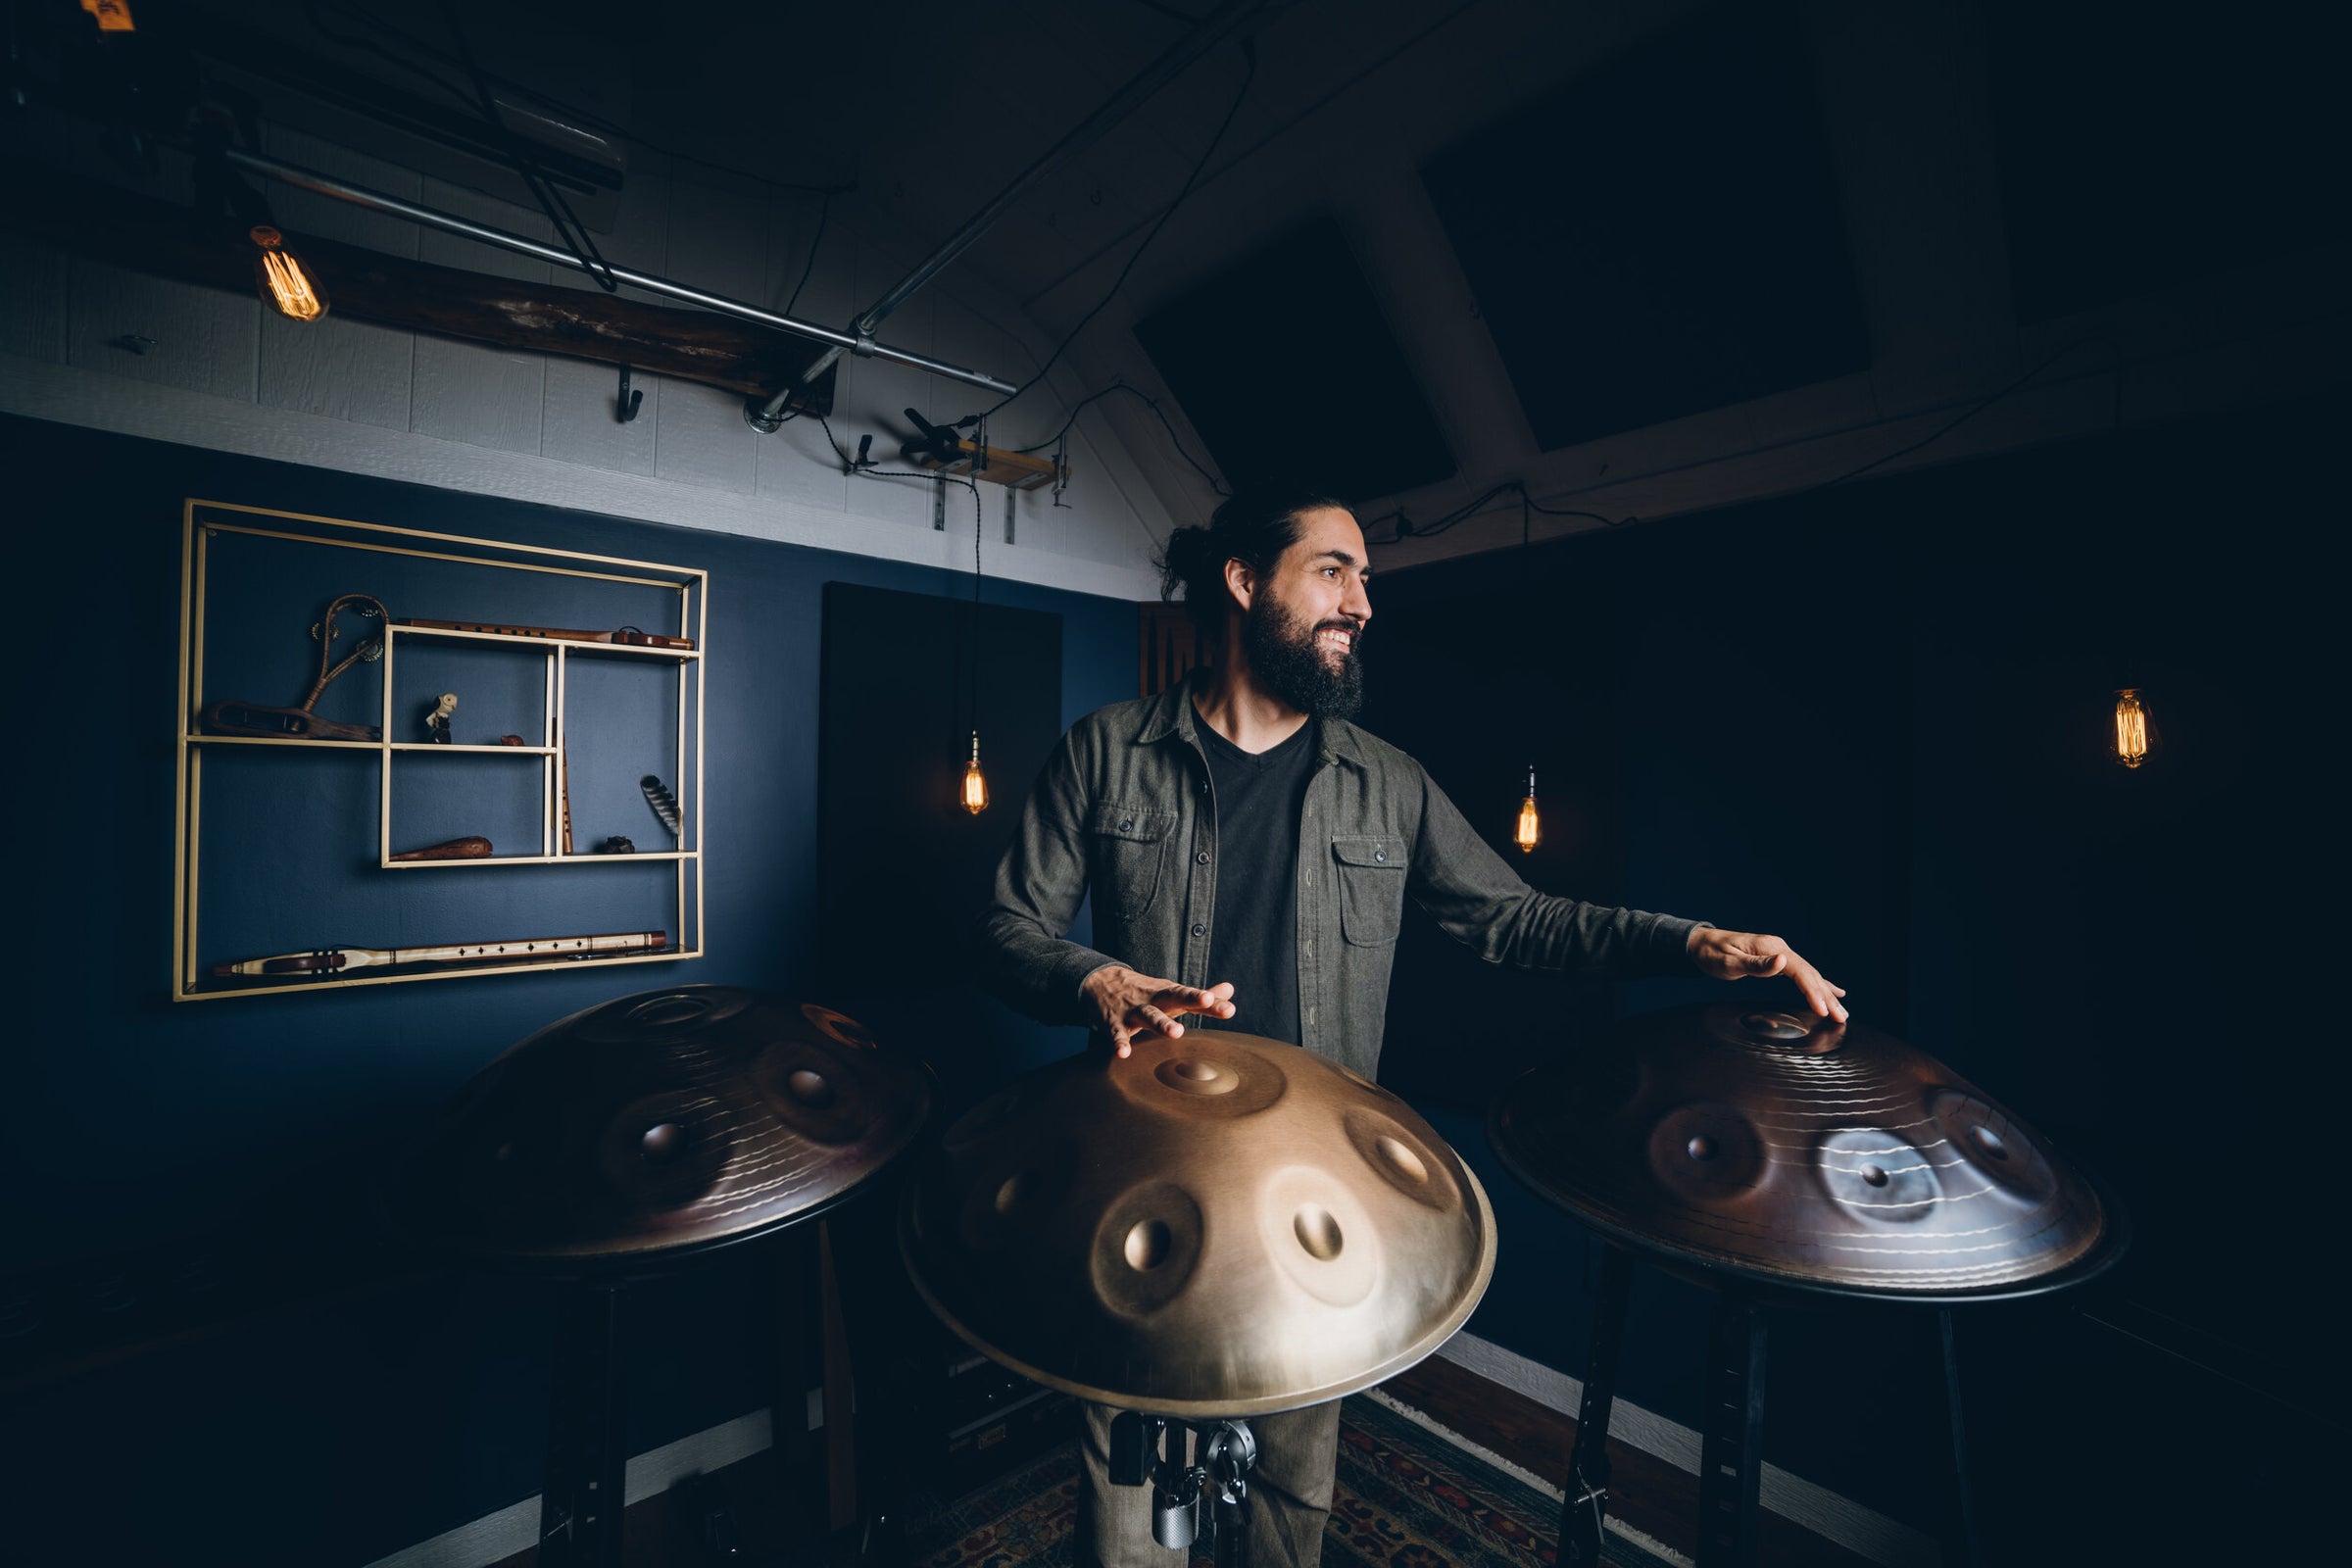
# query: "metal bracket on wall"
[[1011, 506], [939, 505]]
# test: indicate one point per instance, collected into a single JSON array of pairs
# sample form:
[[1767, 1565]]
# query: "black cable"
[[1150, 401], [1973, 410], [850, 464], [1192, 180], [586, 118], [823, 212], [551, 202], [1407, 528]]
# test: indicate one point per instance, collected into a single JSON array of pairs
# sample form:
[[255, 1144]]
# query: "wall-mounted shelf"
[[573, 701]]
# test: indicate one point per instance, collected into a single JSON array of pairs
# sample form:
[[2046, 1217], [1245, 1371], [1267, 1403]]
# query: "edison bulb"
[[286, 282], [1530, 824], [975, 782], [2134, 731]]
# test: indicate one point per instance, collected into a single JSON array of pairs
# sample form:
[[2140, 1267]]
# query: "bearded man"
[[1250, 853]]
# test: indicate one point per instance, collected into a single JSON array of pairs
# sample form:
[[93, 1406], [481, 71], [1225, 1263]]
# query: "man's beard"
[[1283, 657]]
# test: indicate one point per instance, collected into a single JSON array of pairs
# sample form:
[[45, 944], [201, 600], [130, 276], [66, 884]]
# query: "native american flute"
[[338, 961], [626, 636]]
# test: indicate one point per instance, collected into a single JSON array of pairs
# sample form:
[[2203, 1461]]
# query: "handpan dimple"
[[1800, 1152]]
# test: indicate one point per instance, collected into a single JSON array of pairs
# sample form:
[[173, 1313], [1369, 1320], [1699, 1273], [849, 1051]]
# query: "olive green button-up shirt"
[[1124, 809]]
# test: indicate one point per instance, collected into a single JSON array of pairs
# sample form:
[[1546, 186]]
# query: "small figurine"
[[436, 723], [510, 740], [617, 845]]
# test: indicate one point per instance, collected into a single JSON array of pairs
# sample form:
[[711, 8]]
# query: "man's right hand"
[[1129, 1005]]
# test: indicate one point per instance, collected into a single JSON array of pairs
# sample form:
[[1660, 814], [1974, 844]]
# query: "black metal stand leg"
[[1231, 1451], [1960, 1522], [1586, 1504], [581, 1511], [1731, 1457]]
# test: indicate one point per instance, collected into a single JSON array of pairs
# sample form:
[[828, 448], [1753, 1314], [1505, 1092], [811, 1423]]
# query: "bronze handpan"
[[1790, 1149], [662, 1122], [1213, 1227]]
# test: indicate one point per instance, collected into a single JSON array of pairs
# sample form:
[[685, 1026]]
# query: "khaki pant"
[[1290, 1495]]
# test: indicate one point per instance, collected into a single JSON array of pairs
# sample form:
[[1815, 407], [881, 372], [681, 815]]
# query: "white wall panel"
[[204, 339], [717, 241], [482, 396], [796, 463], [583, 425], [702, 439], [308, 213], [33, 300], [447, 250], [339, 368]]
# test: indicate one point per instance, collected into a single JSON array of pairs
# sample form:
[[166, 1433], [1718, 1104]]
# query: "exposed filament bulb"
[[1530, 824], [975, 782], [2133, 735]]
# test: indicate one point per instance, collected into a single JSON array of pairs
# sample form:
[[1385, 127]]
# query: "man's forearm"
[[1034, 972]]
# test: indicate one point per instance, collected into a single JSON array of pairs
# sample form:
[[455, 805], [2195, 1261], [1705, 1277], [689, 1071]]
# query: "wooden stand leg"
[[1584, 1506], [841, 1398], [1731, 1460]]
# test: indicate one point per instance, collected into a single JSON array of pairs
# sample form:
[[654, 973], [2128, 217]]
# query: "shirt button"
[[1127, 824], [1202, 857], [1380, 854], [1200, 930]]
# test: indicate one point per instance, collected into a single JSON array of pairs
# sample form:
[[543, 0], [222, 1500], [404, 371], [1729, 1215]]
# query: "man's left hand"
[[1746, 956]]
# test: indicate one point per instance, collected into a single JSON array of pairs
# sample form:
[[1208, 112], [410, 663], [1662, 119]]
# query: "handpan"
[[661, 1123], [1793, 1150], [1218, 1226]]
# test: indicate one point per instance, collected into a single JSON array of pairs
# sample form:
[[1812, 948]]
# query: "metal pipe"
[[1211, 30], [449, 223]]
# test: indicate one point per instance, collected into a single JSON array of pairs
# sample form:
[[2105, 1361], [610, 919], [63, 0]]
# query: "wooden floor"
[[1651, 1496], [774, 1513]]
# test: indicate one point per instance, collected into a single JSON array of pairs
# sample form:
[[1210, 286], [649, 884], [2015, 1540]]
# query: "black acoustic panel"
[[903, 870], [2143, 146], [1662, 235], [1287, 368]]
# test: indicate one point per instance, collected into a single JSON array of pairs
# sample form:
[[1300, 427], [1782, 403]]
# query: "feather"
[[664, 805]]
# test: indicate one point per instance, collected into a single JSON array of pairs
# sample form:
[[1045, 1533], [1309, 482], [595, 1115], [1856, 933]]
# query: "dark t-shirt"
[[1256, 944]]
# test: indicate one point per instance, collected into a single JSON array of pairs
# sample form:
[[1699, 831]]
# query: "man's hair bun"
[[1252, 528]]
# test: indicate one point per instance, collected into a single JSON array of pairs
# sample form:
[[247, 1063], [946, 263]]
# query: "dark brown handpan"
[[659, 1123], [1794, 1150], [1217, 1226]]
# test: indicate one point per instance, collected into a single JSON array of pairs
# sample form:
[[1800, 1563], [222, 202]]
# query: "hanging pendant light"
[[975, 782], [1530, 824], [286, 284], [2134, 728]]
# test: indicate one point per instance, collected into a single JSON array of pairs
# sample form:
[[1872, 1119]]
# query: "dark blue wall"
[[1869, 720], [163, 1160]]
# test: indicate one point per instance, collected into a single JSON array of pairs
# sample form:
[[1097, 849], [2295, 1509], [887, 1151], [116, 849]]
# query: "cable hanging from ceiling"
[[1191, 183]]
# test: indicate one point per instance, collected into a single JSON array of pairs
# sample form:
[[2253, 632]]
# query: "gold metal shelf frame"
[[201, 519]]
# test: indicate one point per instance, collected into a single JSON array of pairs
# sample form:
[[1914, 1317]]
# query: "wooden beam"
[[157, 237]]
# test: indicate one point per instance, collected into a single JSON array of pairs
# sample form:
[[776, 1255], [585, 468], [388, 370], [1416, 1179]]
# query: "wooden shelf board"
[[495, 750], [286, 740], [573, 859], [210, 989]]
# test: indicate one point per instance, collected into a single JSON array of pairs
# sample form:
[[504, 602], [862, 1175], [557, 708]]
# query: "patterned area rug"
[[1407, 1498]]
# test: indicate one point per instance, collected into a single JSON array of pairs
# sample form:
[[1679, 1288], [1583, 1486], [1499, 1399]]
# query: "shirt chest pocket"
[[1129, 845], [1371, 888]]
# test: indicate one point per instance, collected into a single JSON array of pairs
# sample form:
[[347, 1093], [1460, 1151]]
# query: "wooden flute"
[[626, 636], [339, 960]]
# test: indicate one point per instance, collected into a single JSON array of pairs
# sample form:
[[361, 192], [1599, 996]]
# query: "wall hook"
[[627, 409]]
